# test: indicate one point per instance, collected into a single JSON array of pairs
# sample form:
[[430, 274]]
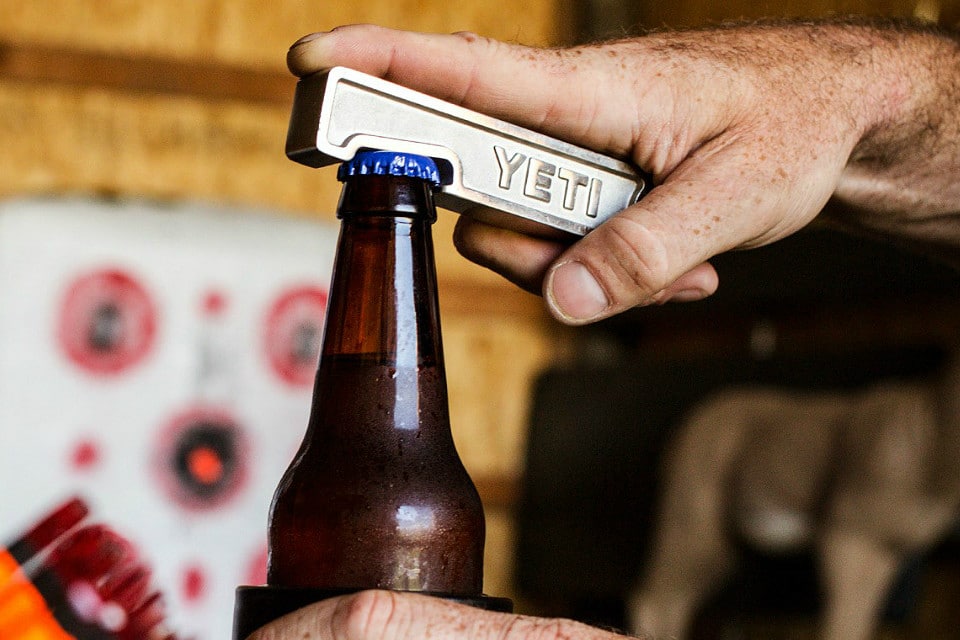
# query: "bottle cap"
[[390, 163]]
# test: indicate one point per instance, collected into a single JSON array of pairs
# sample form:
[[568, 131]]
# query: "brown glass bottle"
[[377, 496]]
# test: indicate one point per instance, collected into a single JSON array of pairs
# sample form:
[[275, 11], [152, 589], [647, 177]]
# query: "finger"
[[387, 615], [564, 93], [524, 260], [715, 201], [698, 283], [520, 258]]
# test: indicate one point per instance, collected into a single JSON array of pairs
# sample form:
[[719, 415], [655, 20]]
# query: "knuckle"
[[514, 629], [267, 633], [554, 630], [368, 614], [472, 39], [547, 629], [484, 46], [635, 261], [480, 45], [468, 36]]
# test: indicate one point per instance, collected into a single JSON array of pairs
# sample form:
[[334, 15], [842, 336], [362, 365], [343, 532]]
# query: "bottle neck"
[[383, 300]]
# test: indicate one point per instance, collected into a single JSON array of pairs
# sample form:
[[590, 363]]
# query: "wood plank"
[[496, 297], [40, 64], [254, 33]]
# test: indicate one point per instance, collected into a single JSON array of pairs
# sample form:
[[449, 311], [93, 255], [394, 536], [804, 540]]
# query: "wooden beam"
[[35, 63]]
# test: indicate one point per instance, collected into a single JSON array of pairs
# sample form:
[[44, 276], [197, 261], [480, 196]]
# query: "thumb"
[[643, 255], [718, 199]]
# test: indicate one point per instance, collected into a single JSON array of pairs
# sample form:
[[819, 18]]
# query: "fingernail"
[[687, 295], [575, 294], [307, 38]]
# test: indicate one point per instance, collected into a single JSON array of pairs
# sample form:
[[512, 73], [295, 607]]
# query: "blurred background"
[[163, 273]]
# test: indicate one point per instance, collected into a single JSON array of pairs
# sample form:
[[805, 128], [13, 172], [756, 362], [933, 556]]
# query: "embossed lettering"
[[537, 184], [573, 180], [593, 201], [508, 166]]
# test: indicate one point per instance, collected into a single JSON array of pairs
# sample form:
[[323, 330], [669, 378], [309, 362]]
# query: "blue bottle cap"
[[390, 163]]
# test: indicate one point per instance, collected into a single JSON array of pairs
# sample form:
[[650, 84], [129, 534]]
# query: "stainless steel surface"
[[492, 169]]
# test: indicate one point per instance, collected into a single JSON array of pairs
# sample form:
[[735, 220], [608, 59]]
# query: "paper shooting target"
[[158, 361]]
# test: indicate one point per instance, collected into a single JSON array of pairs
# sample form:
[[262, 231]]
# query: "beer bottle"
[[377, 496]]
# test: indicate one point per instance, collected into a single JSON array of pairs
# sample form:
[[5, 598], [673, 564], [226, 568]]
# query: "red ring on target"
[[107, 322], [292, 333], [202, 458]]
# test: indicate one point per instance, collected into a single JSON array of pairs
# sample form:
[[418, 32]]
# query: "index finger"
[[561, 92]]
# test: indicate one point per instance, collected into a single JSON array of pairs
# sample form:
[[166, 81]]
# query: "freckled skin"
[[749, 131], [376, 614], [762, 122]]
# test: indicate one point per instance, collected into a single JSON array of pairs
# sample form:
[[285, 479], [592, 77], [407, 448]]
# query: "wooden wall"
[[176, 99], [190, 98]]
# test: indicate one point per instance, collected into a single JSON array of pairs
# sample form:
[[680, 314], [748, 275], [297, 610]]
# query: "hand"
[[747, 131], [386, 615]]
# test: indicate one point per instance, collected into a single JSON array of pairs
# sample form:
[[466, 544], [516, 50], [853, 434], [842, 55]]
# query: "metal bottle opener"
[[500, 172]]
